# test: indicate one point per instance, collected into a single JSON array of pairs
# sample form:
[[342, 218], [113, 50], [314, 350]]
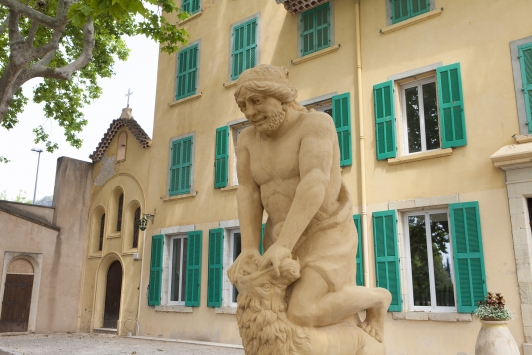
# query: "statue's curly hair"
[[271, 81]]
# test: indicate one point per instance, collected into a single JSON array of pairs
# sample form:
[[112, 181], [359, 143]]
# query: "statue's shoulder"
[[246, 135], [318, 123]]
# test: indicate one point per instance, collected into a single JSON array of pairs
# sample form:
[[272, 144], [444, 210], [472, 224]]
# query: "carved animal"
[[266, 330]]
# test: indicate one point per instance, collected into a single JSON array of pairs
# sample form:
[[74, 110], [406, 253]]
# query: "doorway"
[[113, 291], [16, 302]]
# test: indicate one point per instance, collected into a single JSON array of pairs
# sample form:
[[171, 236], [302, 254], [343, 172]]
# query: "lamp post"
[[39, 151]]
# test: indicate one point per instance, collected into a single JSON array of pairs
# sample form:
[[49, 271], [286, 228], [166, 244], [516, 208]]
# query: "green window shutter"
[[193, 281], [387, 256], [468, 255], [181, 165], [525, 57], [360, 263], [315, 29], [187, 70], [156, 270], [221, 159], [244, 54], [261, 246], [191, 6], [451, 102], [405, 9], [384, 120], [341, 113], [215, 278]]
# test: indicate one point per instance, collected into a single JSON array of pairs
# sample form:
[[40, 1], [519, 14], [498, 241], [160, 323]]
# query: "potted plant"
[[494, 337]]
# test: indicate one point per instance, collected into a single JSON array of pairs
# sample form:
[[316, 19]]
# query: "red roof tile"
[[129, 122]]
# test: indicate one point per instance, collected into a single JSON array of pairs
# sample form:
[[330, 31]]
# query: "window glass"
[[136, 226], [431, 274], [236, 248], [119, 213], [102, 226], [237, 129], [529, 204], [420, 116], [178, 268]]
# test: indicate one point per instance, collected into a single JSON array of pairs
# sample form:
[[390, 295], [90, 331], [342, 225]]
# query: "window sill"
[[192, 17], [316, 54], [114, 235], [179, 197], [130, 252], [225, 310], [421, 156], [186, 99], [433, 316], [229, 188], [174, 309], [411, 21], [230, 84], [523, 138], [95, 256]]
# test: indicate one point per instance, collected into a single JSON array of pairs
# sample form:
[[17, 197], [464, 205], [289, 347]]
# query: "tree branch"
[[15, 37], [40, 69], [34, 15], [31, 33]]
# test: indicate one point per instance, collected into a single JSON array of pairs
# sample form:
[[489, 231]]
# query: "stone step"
[[105, 331]]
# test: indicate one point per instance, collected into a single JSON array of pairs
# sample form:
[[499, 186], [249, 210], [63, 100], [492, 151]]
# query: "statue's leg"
[[311, 304]]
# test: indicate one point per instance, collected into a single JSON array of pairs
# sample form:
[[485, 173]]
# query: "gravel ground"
[[83, 343]]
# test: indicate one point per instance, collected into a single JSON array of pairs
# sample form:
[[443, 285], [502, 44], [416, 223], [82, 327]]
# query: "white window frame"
[[409, 288], [236, 129], [404, 122], [183, 268], [232, 258]]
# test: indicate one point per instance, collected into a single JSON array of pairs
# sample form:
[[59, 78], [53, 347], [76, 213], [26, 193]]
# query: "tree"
[[71, 44]]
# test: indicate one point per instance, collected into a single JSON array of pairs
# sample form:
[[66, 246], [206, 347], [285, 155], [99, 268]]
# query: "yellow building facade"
[[432, 102]]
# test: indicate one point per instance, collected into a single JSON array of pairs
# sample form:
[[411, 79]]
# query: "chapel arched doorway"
[[16, 302], [113, 291]]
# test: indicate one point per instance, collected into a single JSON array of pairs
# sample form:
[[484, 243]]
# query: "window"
[[339, 108], [405, 9], [187, 71], [244, 47], [102, 227], [432, 239], [179, 271], [119, 213], [431, 111], [315, 29], [221, 160], [428, 245], [529, 205], [121, 149], [420, 116], [181, 173], [235, 241], [136, 228], [190, 6], [236, 130], [178, 264], [525, 59]]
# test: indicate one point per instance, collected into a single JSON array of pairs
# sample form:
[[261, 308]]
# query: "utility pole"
[[37, 150]]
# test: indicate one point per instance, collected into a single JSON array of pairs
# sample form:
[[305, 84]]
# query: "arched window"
[[121, 151], [102, 226], [119, 213], [136, 226]]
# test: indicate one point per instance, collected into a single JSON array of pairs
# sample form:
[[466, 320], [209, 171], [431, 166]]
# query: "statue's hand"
[[239, 265], [274, 256]]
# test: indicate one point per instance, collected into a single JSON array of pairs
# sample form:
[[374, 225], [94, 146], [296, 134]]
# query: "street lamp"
[[39, 151]]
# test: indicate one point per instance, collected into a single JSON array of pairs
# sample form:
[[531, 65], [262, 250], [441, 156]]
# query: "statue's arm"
[[249, 208], [315, 161], [248, 197]]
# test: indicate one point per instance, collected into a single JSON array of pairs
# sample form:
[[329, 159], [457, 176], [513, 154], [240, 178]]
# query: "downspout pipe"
[[361, 141]]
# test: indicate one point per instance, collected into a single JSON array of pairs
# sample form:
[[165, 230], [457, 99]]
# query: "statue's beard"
[[276, 119]]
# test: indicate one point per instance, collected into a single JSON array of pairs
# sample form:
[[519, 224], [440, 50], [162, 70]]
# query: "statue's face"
[[265, 113]]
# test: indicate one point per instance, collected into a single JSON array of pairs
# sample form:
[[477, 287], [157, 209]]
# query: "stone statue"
[[288, 164]]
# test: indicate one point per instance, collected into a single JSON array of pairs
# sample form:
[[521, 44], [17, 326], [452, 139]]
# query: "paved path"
[[89, 344]]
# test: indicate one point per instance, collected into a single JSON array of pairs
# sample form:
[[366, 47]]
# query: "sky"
[[138, 73]]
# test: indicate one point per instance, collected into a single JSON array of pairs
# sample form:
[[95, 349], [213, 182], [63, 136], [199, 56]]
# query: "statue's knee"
[[302, 316]]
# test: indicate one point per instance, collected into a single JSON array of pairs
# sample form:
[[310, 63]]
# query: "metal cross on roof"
[[129, 93]]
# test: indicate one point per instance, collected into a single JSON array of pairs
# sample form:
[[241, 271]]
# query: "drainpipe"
[[363, 201], [140, 284]]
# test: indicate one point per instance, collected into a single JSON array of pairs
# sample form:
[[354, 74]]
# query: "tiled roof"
[[295, 6], [126, 119]]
